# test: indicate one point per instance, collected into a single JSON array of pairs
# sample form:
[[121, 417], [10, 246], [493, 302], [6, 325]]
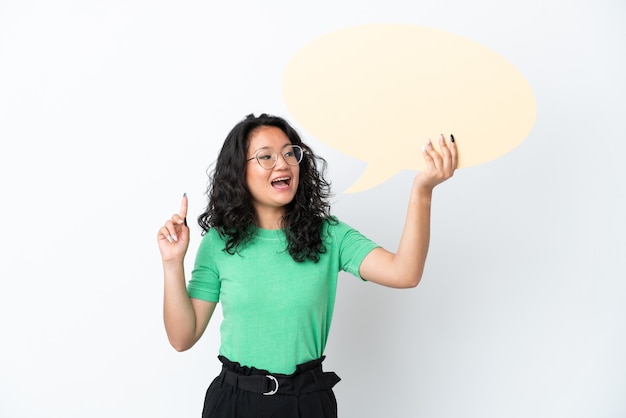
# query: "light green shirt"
[[277, 312]]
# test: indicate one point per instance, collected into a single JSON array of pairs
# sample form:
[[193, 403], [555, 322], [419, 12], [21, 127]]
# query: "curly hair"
[[231, 212]]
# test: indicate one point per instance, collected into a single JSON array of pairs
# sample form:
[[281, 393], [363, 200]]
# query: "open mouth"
[[281, 182]]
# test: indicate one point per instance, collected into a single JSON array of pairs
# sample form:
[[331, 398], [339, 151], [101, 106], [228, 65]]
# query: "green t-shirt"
[[276, 312]]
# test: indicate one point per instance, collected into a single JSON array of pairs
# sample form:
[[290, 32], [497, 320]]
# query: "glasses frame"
[[275, 156]]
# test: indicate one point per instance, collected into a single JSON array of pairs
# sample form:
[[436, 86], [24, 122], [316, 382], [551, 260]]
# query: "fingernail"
[[430, 144], [451, 138], [175, 237], [185, 194], [423, 148], [185, 221], [441, 138], [169, 238]]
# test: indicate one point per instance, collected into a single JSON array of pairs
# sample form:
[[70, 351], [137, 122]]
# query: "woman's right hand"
[[173, 237]]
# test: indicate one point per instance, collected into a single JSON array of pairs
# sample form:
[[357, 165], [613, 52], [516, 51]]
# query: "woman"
[[271, 253]]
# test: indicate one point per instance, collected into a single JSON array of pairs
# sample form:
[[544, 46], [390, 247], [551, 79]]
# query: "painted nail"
[[185, 194], [175, 237], [423, 148], [169, 238], [451, 138], [430, 144], [185, 221]]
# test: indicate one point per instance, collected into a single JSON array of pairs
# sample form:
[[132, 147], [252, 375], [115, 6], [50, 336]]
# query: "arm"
[[185, 318], [405, 268]]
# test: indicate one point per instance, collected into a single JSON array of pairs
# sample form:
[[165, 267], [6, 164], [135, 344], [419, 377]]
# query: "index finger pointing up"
[[183, 206]]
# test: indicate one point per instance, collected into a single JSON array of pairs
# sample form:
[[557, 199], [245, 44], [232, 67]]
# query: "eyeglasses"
[[292, 154]]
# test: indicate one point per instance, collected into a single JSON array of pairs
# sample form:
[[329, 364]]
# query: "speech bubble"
[[377, 93]]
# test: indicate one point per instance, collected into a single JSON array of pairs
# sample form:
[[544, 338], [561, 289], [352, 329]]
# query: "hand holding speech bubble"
[[378, 92]]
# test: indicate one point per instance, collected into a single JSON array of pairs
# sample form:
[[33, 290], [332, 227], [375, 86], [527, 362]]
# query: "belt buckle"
[[273, 379]]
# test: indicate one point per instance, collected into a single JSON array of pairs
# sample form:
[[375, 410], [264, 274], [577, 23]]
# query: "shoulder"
[[211, 238], [212, 234], [333, 227]]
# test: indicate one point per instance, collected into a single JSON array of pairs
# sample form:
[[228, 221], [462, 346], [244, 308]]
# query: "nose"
[[281, 162]]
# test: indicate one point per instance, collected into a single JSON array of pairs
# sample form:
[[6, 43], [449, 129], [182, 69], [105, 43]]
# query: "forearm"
[[178, 313], [406, 266], [409, 261]]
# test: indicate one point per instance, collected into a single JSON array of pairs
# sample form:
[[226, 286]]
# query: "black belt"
[[269, 384]]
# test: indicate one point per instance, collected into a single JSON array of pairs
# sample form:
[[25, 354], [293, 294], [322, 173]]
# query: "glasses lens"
[[293, 154], [266, 159]]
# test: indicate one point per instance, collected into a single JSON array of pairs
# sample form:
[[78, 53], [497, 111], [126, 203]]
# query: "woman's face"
[[271, 189]]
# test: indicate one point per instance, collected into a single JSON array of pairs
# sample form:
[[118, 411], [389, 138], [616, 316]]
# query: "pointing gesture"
[[173, 237]]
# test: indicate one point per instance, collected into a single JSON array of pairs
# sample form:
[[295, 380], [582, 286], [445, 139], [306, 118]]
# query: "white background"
[[110, 110]]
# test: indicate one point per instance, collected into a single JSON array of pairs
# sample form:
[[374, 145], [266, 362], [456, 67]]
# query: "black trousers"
[[247, 392]]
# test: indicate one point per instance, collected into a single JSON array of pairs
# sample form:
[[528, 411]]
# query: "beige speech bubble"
[[378, 92]]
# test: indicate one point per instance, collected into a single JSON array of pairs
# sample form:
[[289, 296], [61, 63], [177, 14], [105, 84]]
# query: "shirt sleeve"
[[353, 247], [205, 280]]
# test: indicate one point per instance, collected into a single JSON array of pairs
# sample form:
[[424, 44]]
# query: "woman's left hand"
[[440, 166]]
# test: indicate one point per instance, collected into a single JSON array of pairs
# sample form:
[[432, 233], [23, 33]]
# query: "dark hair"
[[231, 212]]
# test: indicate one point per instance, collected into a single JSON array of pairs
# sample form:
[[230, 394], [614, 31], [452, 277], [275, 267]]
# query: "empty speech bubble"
[[378, 92]]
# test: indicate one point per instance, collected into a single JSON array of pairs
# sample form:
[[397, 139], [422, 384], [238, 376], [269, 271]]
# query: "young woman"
[[271, 253]]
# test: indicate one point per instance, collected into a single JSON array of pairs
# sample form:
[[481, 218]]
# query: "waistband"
[[308, 377]]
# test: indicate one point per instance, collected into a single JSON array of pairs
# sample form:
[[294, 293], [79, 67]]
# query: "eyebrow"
[[267, 147]]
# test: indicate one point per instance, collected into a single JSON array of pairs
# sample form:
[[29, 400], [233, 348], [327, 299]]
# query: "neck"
[[270, 219]]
